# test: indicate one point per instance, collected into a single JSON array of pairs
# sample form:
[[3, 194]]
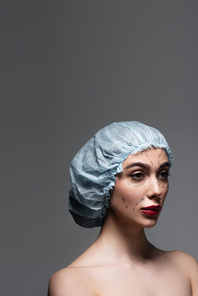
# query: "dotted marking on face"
[[138, 203], [137, 185], [159, 187], [126, 181], [148, 157], [123, 199], [159, 198], [126, 207], [132, 185], [163, 186]]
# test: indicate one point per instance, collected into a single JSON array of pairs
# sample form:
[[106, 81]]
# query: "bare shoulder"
[[75, 280], [188, 265], [183, 259], [70, 281]]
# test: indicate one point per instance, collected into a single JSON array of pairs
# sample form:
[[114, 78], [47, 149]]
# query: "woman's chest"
[[142, 282]]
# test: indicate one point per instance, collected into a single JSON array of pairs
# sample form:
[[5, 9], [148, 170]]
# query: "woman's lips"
[[151, 210]]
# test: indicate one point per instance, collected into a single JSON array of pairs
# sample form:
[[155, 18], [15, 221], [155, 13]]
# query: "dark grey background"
[[68, 68]]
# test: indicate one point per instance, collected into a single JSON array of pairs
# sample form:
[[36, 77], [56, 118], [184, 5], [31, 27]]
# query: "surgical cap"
[[95, 166]]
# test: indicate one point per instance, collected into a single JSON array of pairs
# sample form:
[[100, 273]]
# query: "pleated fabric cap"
[[94, 167]]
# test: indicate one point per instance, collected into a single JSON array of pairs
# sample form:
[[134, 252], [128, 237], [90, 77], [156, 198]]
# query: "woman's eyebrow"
[[140, 164], [164, 165], [146, 166]]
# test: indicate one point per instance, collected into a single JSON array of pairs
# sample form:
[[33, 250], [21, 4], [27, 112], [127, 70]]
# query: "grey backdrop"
[[68, 68]]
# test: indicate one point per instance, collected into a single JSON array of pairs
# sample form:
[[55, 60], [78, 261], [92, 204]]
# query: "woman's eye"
[[164, 175], [137, 176]]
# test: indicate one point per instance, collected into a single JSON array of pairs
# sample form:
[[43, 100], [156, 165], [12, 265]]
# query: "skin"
[[141, 184], [122, 261]]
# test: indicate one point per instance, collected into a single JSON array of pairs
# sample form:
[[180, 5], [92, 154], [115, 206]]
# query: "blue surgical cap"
[[95, 166]]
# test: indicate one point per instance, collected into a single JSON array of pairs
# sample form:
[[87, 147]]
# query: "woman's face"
[[140, 190]]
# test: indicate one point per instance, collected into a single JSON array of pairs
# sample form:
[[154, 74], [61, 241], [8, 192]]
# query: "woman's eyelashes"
[[163, 175], [139, 175]]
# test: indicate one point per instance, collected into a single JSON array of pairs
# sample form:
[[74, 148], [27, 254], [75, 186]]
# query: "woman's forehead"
[[147, 155]]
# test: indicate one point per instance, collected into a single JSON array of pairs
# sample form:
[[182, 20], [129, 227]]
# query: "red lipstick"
[[151, 210]]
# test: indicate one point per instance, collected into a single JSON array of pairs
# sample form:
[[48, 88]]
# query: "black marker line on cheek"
[[126, 207], [126, 181], [164, 187], [159, 187], [138, 203]]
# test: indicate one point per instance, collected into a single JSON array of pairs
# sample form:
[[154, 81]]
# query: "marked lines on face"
[[126, 207], [136, 185], [160, 156], [144, 178], [142, 199], [132, 184], [126, 181], [149, 159]]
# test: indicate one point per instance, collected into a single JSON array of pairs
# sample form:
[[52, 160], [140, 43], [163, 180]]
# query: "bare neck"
[[123, 240]]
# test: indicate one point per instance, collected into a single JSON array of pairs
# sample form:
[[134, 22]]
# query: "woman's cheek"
[[164, 188], [133, 197]]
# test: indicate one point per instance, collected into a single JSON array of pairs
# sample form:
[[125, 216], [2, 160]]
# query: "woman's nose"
[[154, 189]]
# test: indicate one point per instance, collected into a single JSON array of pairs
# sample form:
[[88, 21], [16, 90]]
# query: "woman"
[[119, 181]]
